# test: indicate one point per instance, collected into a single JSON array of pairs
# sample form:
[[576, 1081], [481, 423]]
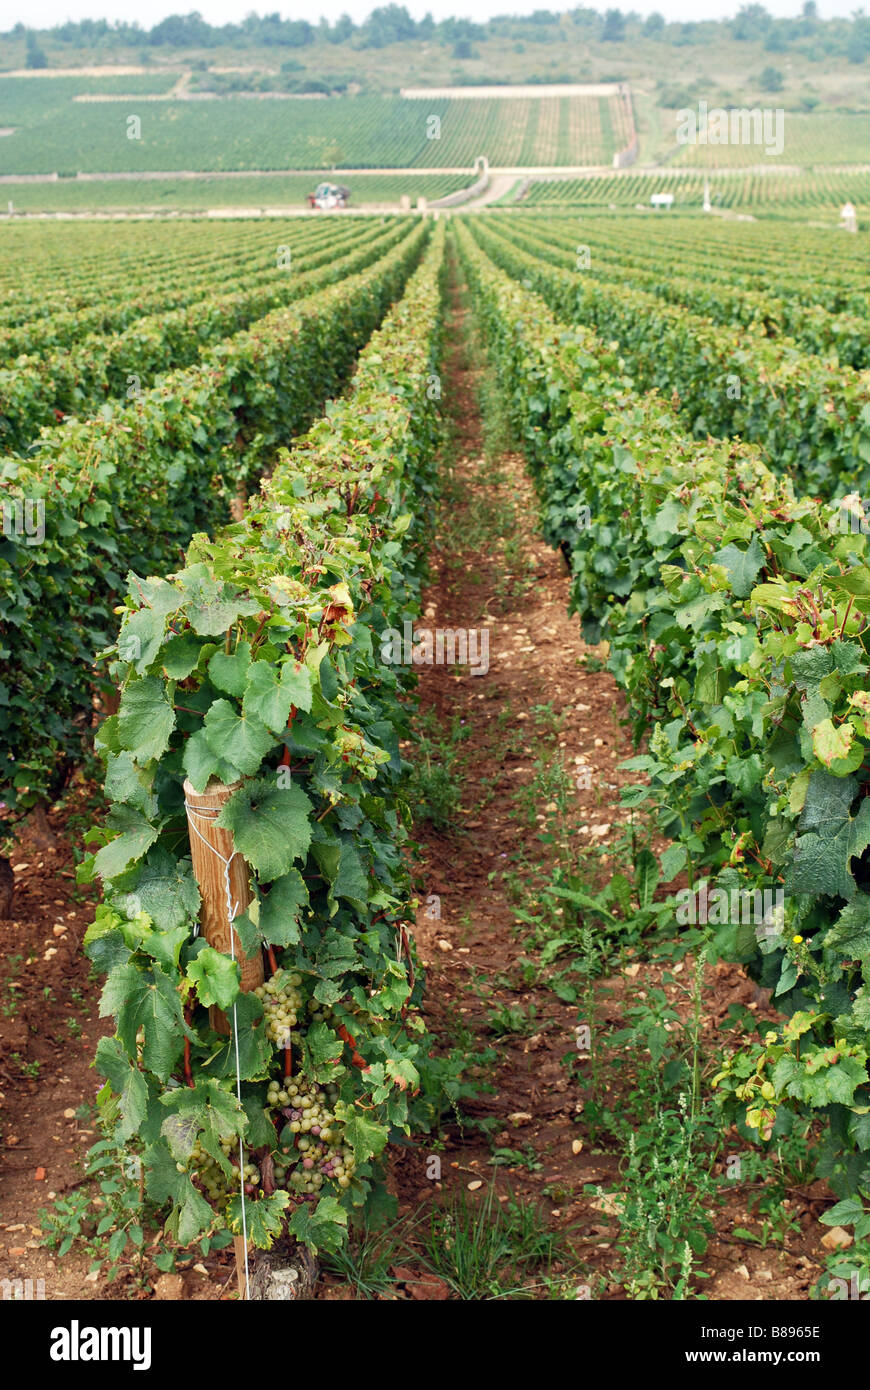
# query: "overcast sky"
[[44, 13]]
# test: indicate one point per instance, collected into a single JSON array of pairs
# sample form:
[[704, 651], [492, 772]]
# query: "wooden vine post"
[[214, 863]]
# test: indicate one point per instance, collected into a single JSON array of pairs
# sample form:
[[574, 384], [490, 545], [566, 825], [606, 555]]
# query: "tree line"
[[392, 24]]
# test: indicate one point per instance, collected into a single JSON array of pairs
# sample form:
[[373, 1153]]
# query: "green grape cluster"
[[310, 1145], [311, 1149], [218, 1187], [319, 1013], [283, 1002]]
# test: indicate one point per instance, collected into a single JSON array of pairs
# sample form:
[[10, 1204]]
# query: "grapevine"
[[330, 1051]]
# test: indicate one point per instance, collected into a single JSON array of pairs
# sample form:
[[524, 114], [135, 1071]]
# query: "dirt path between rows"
[[544, 704]]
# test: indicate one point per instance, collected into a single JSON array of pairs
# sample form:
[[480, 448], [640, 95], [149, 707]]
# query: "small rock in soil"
[[168, 1287], [836, 1239]]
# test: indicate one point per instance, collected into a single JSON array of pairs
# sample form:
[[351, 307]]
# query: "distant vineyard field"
[[29, 101], [198, 195], [54, 133], [820, 189], [807, 140]]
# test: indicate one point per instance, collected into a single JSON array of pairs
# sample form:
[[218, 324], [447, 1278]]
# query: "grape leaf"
[[842, 1080], [201, 763], [394, 993], [847, 658], [350, 881], [181, 656], [146, 719], [801, 1022], [270, 825], [105, 946], [255, 1049], [259, 1130], [825, 1085], [324, 1228], [297, 679], [126, 781], [742, 565], [240, 739], [264, 1218], [811, 667], [861, 1007], [206, 1111], [216, 977], [403, 1072], [229, 672], [162, 886], [191, 1212], [165, 946], [270, 694], [127, 1082], [859, 1130], [327, 991], [322, 1048], [156, 593], [212, 605], [832, 837], [248, 932], [850, 934], [136, 836], [141, 636], [832, 745], [281, 908], [146, 999], [335, 954], [366, 1138]]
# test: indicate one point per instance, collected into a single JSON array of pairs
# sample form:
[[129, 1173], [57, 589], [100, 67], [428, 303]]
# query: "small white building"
[[661, 200]]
